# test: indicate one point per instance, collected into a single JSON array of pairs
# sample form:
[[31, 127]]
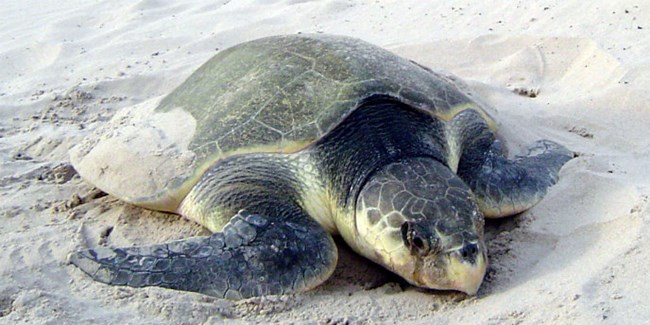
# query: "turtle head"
[[419, 220]]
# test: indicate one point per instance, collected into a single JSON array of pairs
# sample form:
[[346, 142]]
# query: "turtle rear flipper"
[[253, 256], [505, 187]]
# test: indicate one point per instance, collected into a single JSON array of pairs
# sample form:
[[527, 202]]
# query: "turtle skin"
[[302, 137]]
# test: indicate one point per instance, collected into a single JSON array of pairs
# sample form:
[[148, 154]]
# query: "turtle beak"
[[466, 276], [464, 269]]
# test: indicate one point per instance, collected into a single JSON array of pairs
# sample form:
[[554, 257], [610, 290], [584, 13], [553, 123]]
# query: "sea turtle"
[[279, 143]]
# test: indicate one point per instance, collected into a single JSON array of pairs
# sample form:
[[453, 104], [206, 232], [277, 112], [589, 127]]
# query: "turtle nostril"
[[469, 251]]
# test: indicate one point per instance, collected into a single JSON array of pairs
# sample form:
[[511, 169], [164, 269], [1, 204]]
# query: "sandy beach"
[[575, 72]]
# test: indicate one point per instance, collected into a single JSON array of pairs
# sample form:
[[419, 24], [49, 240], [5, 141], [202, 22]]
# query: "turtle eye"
[[415, 239], [418, 243]]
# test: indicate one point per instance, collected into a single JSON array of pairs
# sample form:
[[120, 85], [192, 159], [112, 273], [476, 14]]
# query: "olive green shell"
[[283, 92], [275, 94]]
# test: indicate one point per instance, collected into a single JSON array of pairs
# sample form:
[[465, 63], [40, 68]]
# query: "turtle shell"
[[275, 94]]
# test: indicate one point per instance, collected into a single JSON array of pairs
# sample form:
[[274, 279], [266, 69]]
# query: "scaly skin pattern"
[[418, 218], [406, 185], [381, 180], [504, 187], [270, 246], [253, 256]]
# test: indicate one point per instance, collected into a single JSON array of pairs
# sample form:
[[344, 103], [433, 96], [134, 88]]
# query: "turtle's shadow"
[[498, 247], [513, 251], [354, 272]]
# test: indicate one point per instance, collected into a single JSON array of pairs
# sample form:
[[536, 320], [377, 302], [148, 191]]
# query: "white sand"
[[580, 256]]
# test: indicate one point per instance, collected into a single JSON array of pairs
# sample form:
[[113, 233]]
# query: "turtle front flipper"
[[253, 256], [502, 187], [505, 187]]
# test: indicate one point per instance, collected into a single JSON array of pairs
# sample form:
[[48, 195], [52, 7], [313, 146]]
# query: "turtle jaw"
[[460, 274], [450, 270]]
